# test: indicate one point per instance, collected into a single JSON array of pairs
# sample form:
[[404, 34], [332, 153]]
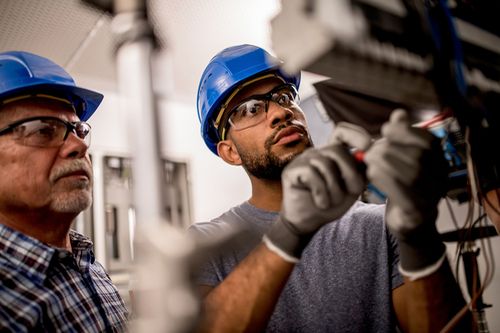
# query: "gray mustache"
[[70, 167]]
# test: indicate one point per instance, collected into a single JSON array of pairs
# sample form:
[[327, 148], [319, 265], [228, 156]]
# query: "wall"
[[215, 185]]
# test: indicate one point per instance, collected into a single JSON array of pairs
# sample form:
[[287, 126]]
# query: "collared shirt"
[[47, 289]]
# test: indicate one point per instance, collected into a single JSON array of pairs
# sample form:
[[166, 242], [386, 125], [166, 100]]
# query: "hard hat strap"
[[21, 97]]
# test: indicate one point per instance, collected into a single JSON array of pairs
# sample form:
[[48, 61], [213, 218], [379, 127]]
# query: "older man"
[[50, 279]]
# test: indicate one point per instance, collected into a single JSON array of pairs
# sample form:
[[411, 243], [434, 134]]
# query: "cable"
[[439, 9], [479, 219], [487, 249], [459, 76], [474, 297], [452, 214]]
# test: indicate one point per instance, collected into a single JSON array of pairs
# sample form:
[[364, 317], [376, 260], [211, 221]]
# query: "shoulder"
[[235, 218], [367, 212], [215, 226], [368, 208], [240, 227], [362, 219]]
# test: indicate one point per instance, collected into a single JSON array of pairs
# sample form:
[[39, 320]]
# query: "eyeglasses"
[[253, 110], [47, 131]]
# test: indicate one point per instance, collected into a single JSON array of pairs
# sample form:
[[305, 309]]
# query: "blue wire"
[[373, 189], [457, 47]]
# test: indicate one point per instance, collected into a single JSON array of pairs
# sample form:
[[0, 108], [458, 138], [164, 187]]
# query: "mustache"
[[271, 139], [69, 168]]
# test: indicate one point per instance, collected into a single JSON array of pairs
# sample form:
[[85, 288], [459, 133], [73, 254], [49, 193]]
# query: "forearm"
[[433, 301], [245, 300], [491, 205]]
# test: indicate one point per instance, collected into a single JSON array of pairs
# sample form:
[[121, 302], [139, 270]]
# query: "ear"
[[228, 152]]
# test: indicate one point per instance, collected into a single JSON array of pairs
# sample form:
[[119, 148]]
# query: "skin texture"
[[255, 148], [492, 207], [42, 189]]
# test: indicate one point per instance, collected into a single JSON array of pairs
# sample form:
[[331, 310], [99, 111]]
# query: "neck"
[[266, 194], [51, 229]]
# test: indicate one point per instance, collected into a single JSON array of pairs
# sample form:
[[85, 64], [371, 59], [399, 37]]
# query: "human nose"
[[73, 147], [277, 114]]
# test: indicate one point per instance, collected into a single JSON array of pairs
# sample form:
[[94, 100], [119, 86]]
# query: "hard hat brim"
[[90, 99]]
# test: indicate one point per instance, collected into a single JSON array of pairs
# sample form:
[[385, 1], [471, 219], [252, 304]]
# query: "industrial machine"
[[423, 56]]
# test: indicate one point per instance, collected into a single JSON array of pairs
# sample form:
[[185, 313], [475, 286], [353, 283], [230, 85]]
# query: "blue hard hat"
[[226, 71], [24, 73]]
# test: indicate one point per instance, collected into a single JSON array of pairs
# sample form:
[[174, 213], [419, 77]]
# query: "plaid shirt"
[[46, 289]]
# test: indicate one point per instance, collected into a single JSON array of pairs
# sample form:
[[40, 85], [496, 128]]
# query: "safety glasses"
[[46, 131], [253, 110]]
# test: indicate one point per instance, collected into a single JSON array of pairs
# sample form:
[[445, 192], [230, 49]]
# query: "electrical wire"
[[457, 52], [436, 34], [485, 245], [462, 241], [475, 295], [452, 214]]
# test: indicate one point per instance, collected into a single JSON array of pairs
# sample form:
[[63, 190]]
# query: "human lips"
[[289, 134], [75, 169], [76, 173]]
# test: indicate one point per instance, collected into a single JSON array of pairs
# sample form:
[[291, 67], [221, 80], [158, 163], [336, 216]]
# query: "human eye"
[[253, 108], [37, 128], [247, 110], [283, 98], [38, 132]]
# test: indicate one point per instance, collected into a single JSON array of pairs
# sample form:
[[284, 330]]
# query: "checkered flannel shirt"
[[46, 289]]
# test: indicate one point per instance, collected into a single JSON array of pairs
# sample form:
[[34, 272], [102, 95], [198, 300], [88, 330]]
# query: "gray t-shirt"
[[343, 281]]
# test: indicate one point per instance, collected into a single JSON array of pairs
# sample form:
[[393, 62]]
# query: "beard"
[[74, 200], [269, 165], [71, 195]]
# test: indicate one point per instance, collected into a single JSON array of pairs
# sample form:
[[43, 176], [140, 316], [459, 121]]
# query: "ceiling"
[[79, 38]]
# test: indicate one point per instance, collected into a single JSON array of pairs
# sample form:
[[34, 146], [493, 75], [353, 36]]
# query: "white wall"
[[215, 186]]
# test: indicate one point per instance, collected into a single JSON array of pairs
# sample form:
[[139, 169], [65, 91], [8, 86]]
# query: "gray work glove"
[[408, 165], [319, 186]]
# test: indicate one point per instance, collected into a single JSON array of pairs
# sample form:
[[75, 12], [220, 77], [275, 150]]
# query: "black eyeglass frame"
[[267, 97], [70, 126]]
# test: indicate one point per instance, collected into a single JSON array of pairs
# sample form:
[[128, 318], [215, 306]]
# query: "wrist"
[[285, 240], [416, 256], [424, 272]]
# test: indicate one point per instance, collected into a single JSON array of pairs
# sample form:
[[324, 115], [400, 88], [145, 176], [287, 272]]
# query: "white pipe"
[[136, 93]]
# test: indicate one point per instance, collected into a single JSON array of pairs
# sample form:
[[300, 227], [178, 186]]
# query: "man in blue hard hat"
[[312, 258], [50, 279]]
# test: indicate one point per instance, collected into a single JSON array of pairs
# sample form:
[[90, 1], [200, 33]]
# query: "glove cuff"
[[415, 257], [415, 275], [285, 241]]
